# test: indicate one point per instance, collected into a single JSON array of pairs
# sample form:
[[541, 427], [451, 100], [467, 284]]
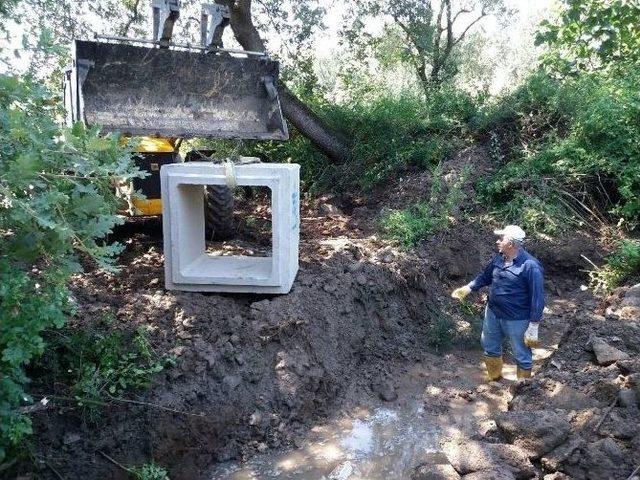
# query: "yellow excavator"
[[164, 92]]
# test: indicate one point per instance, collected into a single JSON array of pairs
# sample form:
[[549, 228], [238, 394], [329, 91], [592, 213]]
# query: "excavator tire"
[[218, 213]]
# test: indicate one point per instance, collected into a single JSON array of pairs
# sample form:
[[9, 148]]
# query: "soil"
[[257, 372]]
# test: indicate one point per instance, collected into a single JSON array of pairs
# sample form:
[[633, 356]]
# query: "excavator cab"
[[165, 91]]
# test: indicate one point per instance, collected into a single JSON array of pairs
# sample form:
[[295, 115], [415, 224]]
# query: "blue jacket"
[[517, 291]]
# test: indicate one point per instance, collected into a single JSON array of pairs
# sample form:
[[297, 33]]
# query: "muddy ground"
[[255, 373]]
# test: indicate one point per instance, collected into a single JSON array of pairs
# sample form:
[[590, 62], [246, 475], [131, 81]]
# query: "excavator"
[[162, 92]]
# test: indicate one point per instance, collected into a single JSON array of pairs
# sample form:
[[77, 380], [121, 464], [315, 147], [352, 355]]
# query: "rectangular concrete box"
[[188, 266]]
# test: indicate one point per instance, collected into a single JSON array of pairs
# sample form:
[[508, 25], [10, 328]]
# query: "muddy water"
[[370, 443]]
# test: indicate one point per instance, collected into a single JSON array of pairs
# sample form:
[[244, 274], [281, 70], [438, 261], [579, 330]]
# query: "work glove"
[[461, 292], [531, 335]]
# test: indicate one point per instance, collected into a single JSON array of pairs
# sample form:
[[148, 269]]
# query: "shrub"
[[410, 225], [574, 150], [55, 198], [387, 134], [621, 265]]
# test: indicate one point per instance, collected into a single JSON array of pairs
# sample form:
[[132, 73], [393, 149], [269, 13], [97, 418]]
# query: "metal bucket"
[[173, 93]]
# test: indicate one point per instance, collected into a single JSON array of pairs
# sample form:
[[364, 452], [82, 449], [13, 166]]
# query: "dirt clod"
[[538, 431]]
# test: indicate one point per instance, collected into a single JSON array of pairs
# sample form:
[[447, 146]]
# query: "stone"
[[435, 472], [629, 366], [538, 431], [605, 353], [604, 459], [628, 398], [632, 296], [469, 456], [553, 460], [231, 382], [557, 476], [71, 437]]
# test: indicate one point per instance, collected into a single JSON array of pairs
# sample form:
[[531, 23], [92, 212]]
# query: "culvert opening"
[[239, 221]]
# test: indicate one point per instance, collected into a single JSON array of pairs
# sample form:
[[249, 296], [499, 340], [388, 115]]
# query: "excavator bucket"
[[173, 93]]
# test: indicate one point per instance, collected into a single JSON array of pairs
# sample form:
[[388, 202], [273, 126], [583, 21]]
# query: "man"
[[516, 302]]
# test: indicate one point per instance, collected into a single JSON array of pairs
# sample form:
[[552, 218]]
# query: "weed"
[[412, 224], [95, 366], [440, 332], [149, 471], [621, 265]]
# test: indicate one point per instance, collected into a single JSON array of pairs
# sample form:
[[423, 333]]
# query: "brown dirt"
[[260, 370]]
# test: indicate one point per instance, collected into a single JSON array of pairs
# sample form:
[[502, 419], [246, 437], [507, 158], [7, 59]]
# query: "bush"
[[412, 224], [621, 265], [55, 198], [387, 134], [93, 366], [574, 151]]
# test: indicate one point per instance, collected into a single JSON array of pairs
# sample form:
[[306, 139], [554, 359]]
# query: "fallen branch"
[[54, 470], [117, 464], [124, 400], [634, 472], [606, 414]]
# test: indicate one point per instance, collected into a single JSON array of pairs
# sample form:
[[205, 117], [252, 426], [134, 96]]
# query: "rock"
[[435, 472], [385, 389], [329, 209], [605, 353], [495, 474], [71, 437], [255, 418], [553, 394], [561, 454], [557, 476], [469, 456], [536, 431], [628, 398], [629, 366], [604, 459], [231, 382], [632, 296]]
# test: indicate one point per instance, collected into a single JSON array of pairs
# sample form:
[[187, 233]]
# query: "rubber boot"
[[522, 373], [494, 367]]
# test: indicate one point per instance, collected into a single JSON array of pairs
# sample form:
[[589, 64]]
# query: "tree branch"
[[480, 17], [136, 14]]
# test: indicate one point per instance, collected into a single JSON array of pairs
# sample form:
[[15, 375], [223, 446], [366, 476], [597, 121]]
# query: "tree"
[[432, 31], [592, 35]]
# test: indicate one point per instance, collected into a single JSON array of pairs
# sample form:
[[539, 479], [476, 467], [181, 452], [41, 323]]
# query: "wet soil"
[[343, 359]]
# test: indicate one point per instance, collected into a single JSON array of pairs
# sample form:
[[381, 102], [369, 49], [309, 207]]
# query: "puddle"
[[372, 444]]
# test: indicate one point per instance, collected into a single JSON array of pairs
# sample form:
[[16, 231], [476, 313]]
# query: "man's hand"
[[531, 335], [461, 292]]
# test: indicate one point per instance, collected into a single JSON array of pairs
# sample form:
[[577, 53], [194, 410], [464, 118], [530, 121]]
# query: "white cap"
[[512, 232]]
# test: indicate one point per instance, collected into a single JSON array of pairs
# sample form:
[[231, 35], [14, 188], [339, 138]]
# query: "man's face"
[[504, 245]]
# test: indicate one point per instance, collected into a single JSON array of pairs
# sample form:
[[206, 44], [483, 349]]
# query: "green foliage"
[[592, 34], [149, 471], [574, 150], [410, 225], [440, 332], [98, 365], [621, 265], [388, 134], [55, 198]]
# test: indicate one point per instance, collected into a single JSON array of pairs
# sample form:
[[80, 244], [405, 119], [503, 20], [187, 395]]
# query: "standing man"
[[516, 302]]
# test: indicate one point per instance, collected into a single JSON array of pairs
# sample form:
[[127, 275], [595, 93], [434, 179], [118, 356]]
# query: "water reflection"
[[371, 444]]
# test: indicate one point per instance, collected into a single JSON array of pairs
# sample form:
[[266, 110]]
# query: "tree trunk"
[[294, 110]]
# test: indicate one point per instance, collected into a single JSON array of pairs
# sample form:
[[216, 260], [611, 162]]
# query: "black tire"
[[218, 213]]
